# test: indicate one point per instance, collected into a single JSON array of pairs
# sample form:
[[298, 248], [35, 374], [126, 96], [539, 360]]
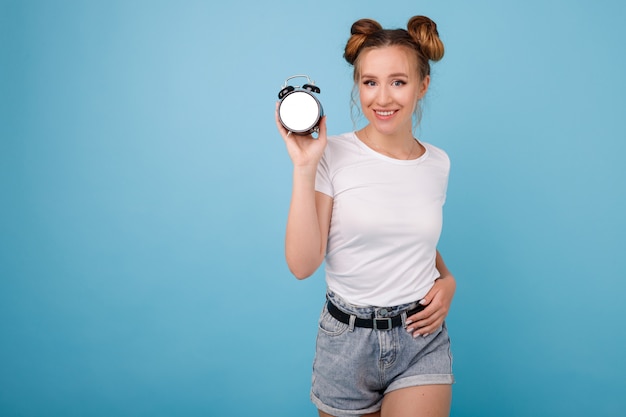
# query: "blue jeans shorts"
[[355, 367]]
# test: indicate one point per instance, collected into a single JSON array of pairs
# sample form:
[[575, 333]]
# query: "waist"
[[369, 311], [377, 318]]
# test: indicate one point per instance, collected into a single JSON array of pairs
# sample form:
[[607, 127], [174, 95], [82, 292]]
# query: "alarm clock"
[[299, 110]]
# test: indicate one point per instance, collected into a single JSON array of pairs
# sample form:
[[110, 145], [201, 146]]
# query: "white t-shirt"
[[386, 221]]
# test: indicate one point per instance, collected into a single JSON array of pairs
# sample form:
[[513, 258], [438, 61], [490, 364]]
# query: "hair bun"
[[424, 32], [365, 27], [359, 32]]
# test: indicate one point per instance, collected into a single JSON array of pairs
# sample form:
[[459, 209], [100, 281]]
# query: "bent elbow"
[[301, 273], [302, 269], [301, 266]]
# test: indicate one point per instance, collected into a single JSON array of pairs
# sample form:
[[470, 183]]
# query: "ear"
[[423, 88]]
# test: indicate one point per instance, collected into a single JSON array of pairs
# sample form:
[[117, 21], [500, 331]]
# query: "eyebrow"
[[394, 75]]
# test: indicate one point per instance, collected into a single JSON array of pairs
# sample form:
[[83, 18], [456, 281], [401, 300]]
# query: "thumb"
[[322, 129]]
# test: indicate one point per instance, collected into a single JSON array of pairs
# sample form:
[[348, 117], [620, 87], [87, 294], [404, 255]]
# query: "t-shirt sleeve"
[[322, 179]]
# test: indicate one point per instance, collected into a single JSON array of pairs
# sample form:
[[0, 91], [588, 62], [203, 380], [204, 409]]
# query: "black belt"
[[380, 323]]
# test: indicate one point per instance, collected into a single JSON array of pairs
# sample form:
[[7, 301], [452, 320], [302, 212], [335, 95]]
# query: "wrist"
[[305, 169], [447, 279]]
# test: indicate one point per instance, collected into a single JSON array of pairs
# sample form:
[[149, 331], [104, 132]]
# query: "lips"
[[384, 114]]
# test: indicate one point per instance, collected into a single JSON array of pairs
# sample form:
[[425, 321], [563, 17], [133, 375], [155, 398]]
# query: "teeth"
[[385, 113]]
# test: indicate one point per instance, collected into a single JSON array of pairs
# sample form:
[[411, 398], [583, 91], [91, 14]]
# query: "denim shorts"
[[355, 367]]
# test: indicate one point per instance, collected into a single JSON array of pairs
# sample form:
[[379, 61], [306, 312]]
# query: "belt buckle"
[[386, 323]]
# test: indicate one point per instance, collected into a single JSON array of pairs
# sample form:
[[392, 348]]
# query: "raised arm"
[[309, 212]]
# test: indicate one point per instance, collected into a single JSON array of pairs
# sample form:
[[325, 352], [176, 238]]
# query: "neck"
[[399, 146]]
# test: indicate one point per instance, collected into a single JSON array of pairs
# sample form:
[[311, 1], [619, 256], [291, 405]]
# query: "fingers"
[[437, 302], [322, 130], [321, 134], [305, 151], [426, 321], [424, 328], [281, 129]]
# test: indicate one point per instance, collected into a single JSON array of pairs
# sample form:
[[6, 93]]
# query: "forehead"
[[387, 60]]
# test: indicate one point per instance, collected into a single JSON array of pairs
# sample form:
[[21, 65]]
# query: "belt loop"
[[403, 315], [352, 319]]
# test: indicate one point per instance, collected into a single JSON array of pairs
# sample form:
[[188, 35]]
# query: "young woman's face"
[[390, 88]]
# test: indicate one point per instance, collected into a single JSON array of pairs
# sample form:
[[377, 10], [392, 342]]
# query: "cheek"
[[414, 100], [364, 97]]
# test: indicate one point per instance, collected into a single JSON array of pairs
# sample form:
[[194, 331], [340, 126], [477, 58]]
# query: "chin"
[[386, 129]]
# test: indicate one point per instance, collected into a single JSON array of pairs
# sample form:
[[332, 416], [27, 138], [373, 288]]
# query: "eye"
[[398, 83], [369, 83]]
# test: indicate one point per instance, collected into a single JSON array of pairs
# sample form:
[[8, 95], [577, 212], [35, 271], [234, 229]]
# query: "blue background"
[[144, 192]]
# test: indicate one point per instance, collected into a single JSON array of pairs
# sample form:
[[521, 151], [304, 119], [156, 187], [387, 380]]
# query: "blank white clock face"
[[299, 112]]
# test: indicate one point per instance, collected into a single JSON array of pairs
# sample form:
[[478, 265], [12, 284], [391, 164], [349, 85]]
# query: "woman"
[[369, 204]]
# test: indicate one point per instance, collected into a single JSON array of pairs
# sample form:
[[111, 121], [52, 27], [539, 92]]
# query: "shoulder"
[[340, 146], [437, 153], [341, 141]]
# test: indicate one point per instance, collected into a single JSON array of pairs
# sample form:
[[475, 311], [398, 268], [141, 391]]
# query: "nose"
[[384, 97]]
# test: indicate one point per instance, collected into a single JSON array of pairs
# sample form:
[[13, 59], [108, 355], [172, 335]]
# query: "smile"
[[385, 113]]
